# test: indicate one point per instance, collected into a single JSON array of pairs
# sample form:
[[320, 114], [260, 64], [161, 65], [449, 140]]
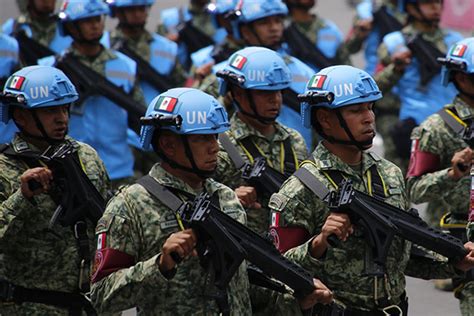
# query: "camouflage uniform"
[[141, 46], [342, 267], [137, 225], [443, 194], [227, 173], [42, 32], [36, 256]]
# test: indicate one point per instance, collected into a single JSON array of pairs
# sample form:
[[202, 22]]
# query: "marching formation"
[[222, 165]]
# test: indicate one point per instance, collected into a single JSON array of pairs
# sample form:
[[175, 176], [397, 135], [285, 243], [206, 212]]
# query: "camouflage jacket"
[[36, 256], [436, 137], [141, 46], [137, 225], [272, 149], [342, 267], [43, 32]]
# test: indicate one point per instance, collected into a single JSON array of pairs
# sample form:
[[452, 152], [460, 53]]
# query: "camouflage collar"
[[144, 37], [104, 55], [241, 130], [325, 160], [436, 36], [463, 110], [20, 145]]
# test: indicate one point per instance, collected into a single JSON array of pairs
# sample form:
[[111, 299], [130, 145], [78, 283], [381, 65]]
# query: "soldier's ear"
[[323, 118]]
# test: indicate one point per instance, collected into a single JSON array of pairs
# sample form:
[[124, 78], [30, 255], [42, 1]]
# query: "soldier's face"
[[268, 103], [92, 28], [267, 32], [136, 15], [204, 148], [359, 118], [426, 10], [54, 119]]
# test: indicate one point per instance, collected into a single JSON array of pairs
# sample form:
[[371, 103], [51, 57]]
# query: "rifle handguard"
[[162, 120], [316, 97]]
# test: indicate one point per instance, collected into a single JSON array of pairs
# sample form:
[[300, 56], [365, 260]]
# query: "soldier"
[[46, 266], [191, 27], [138, 233], [260, 23], [307, 31], [8, 64], [96, 120], [158, 52], [371, 25], [39, 24], [254, 131], [347, 126], [441, 158], [409, 57]]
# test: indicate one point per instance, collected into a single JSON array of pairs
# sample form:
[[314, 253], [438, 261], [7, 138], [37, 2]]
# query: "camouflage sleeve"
[[431, 185], [388, 77], [210, 85], [178, 75], [137, 94], [432, 266], [343, 55], [299, 145], [353, 42], [95, 169], [14, 207], [130, 285]]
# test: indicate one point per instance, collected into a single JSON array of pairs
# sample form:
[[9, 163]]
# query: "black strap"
[[74, 302], [312, 183], [3, 147], [231, 150], [160, 192], [455, 125]]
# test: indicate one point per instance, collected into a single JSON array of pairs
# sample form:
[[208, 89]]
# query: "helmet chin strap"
[[360, 145], [40, 127], [262, 119], [203, 174], [81, 40]]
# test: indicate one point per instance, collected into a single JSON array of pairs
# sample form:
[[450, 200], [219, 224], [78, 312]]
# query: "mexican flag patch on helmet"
[[15, 82], [459, 50], [166, 104], [317, 81], [238, 61]]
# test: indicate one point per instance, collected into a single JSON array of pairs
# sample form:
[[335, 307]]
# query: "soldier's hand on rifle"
[[460, 164], [362, 28], [247, 197], [42, 175], [182, 244], [321, 294], [468, 262], [401, 59], [337, 224]]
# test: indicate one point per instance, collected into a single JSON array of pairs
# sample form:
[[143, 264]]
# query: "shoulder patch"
[[324, 164], [374, 156], [278, 202], [103, 225]]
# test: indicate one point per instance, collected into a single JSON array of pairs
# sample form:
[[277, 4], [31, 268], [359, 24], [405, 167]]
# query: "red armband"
[[109, 260], [286, 238], [421, 162]]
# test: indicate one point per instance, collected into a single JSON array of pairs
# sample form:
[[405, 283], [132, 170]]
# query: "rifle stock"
[[88, 83], [382, 221]]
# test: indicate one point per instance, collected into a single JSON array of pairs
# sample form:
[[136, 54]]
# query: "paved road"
[[424, 299]]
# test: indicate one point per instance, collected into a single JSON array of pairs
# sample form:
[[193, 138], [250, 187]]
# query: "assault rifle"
[[89, 83], [79, 197], [145, 71], [194, 38], [427, 55], [385, 22], [31, 50], [303, 49], [382, 221], [224, 243]]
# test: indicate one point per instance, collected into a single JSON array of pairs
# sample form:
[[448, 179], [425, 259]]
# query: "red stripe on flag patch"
[[459, 50], [166, 104], [238, 61], [275, 219], [15, 82], [101, 241], [317, 81]]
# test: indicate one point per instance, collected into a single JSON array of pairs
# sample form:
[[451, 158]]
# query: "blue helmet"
[[73, 10], [36, 87], [335, 87], [252, 10], [221, 6], [256, 68], [183, 111], [402, 4], [127, 3], [460, 57]]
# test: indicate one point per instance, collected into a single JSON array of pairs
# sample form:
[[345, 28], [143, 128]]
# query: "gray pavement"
[[423, 298]]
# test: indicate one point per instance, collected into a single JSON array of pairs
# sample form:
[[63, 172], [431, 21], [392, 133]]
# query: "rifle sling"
[[231, 150], [161, 193]]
